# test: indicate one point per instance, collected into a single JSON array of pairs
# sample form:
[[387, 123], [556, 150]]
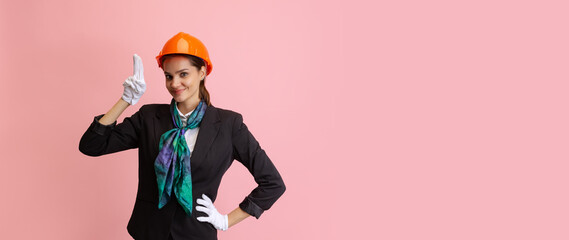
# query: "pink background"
[[407, 120]]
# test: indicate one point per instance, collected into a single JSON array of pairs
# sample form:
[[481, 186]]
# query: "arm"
[[104, 136], [100, 139], [236, 216], [113, 114], [270, 183], [134, 87], [219, 221]]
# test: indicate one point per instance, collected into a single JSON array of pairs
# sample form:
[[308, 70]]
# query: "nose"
[[175, 82]]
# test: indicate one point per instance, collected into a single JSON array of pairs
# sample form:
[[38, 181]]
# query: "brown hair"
[[198, 63]]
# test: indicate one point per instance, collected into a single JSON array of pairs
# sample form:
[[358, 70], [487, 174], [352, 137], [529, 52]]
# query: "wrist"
[[124, 102]]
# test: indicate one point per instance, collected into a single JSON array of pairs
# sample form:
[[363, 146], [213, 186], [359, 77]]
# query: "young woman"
[[184, 149]]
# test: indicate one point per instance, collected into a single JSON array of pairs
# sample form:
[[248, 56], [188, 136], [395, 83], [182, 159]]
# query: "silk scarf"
[[172, 166]]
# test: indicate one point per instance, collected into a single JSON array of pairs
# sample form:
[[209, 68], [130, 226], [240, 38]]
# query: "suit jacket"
[[222, 138]]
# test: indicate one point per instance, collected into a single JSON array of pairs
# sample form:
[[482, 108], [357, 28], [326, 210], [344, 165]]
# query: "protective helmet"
[[184, 43]]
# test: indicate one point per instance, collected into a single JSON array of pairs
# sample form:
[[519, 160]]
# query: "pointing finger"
[[138, 68]]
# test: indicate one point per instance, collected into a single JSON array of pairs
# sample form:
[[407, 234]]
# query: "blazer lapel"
[[209, 128]]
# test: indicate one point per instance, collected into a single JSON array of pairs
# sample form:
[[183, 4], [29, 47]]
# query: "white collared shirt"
[[192, 134]]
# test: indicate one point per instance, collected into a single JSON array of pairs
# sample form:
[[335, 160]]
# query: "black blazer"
[[222, 138]]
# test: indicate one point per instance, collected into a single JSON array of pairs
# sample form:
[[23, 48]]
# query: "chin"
[[179, 99]]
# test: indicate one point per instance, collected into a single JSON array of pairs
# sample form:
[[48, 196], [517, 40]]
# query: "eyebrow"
[[177, 71]]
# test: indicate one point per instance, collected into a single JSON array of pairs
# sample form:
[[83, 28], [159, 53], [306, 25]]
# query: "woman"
[[184, 150]]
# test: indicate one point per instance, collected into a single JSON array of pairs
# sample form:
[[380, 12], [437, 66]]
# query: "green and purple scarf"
[[172, 166]]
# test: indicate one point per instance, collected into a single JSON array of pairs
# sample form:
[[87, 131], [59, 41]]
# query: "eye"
[[168, 77], [183, 74]]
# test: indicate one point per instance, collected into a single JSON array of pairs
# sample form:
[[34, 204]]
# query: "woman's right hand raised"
[[134, 86]]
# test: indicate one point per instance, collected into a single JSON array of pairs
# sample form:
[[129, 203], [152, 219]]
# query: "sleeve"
[[270, 184], [102, 139]]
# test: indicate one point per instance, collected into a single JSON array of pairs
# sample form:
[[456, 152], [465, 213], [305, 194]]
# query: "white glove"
[[134, 86], [214, 217]]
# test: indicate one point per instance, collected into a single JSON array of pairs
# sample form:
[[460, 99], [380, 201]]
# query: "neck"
[[187, 106]]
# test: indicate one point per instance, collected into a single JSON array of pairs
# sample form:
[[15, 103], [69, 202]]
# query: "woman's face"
[[183, 79]]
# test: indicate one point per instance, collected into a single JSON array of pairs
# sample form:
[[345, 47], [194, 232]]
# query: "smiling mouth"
[[177, 92]]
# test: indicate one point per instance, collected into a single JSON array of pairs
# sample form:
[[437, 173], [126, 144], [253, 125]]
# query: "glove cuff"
[[129, 100], [225, 223]]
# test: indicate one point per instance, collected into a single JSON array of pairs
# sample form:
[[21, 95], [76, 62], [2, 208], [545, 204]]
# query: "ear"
[[203, 71]]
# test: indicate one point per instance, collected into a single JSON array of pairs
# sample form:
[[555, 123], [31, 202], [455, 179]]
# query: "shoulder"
[[226, 115]]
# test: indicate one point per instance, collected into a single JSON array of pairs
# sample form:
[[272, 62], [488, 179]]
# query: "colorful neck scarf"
[[172, 166]]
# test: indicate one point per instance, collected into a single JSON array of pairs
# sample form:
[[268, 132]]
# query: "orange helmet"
[[184, 43]]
